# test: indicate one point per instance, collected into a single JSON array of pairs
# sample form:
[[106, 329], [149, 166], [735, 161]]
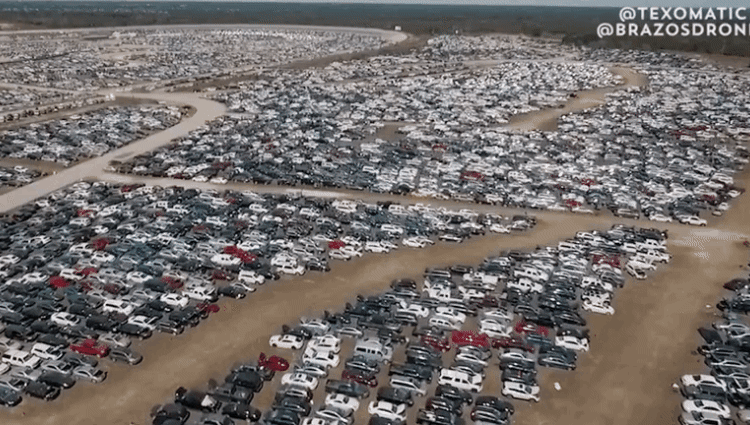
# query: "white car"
[[693, 220], [351, 251], [499, 228], [598, 307], [451, 313], [376, 247], [174, 300], [328, 343], [415, 309], [338, 254], [342, 402], [300, 380], [144, 321], [414, 242], [316, 326], [323, 358], [115, 340], [64, 319], [46, 352], [387, 410], [293, 270], [495, 328], [660, 218], [570, 341], [520, 391], [226, 260], [444, 322], [692, 380], [707, 406], [499, 315], [249, 276], [286, 341]]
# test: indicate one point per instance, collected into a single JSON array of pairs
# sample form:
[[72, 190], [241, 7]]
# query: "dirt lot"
[[241, 330]]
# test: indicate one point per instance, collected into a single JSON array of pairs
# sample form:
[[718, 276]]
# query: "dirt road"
[[546, 119], [206, 110]]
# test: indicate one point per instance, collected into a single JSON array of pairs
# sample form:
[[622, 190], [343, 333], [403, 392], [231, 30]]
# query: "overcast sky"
[[581, 3]]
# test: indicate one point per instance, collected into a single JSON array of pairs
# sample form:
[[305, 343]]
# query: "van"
[[21, 358], [460, 380], [372, 348], [46, 352]]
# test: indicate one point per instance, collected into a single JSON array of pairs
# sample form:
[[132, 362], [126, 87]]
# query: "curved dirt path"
[[546, 119], [206, 110]]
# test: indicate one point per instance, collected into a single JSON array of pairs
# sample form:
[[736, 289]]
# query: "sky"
[[578, 3]]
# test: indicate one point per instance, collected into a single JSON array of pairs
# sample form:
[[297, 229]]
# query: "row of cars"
[[712, 398], [77, 61], [95, 266], [521, 308], [18, 175], [673, 163], [90, 134]]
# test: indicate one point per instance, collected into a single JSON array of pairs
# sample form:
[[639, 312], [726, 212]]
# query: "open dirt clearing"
[[546, 119]]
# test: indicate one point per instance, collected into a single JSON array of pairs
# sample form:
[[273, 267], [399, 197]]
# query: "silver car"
[[88, 373]]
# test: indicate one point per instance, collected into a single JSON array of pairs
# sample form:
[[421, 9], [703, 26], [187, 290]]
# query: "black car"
[[241, 411], [448, 391], [56, 379], [363, 363], [248, 379], [379, 420], [525, 376], [395, 395], [495, 403], [423, 373], [352, 389], [296, 404], [21, 333], [41, 390], [170, 326], [442, 403], [437, 417], [487, 414], [292, 391], [264, 372], [232, 292], [170, 412], [229, 393], [137, 331], [53, 340], [9, 397], [196, 400], [77, 359], [283, 417], [101, 323]]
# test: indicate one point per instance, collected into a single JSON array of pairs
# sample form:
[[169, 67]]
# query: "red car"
[[462, 338], [437, 344], [360, 377], [208, 307], [91, 347], [524, 327], [274, 363], [512, 342]]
